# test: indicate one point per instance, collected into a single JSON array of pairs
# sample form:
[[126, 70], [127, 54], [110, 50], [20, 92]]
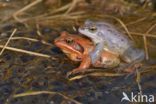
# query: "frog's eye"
[[69, 41], [92, 29]]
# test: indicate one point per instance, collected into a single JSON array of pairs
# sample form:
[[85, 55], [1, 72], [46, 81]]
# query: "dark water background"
[[21, 72]]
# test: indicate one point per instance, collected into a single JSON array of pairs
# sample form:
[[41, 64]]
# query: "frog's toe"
[[73, 72], [69, 74]]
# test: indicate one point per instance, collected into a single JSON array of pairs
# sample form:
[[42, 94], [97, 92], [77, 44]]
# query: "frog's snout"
[[55, 41]]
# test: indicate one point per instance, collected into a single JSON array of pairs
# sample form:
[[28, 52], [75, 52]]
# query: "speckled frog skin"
[[107, 37]]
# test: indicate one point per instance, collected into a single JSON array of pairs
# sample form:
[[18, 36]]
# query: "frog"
[[108, 38], [77, 48]]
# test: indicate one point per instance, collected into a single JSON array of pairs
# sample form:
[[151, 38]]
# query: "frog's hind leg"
[[95, 55], [133, 57], [129, 67], [133, 54]]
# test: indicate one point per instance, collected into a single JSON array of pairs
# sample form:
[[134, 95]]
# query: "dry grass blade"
[[125, 27], [73, 15], [151, 67], [151, 28], [54, 11], [60, 9], [145, 40], [15, 15], [32, 93], [142, 34], [30, 39], [43, 16], [151, 45], [138, 80], [8, 41], [136, 21], [145, 47], [66, 15], [76, 13], [41, 36], [49, 16], [72, 6], [148, 69], [26, 52], [24, 38], [96, 74]]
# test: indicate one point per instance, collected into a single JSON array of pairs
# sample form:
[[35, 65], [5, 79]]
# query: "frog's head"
[[74, 46], [91, 29], [69, 45]]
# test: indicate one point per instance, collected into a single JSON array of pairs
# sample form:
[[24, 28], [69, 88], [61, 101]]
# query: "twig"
[[44, 92], [8, 41]]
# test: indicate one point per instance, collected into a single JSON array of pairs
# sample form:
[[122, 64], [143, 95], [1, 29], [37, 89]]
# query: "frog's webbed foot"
[[95, 55]]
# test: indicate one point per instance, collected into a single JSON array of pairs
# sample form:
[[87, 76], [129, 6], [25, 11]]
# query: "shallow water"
[[21, 72]]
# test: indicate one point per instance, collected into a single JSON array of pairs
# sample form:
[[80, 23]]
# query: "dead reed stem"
[[45, 92], [8, 41], [15, 15], [145, 40], [25, 51]]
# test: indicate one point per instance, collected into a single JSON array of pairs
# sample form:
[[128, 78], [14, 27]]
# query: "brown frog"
[[77, 48]]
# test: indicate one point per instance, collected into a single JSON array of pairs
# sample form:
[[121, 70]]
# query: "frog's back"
[[114, 39]]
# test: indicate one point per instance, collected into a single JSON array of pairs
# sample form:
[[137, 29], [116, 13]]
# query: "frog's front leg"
[[86, 62], [95, 55]]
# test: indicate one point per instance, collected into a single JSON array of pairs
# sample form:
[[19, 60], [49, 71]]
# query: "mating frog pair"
[[107, 48]]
